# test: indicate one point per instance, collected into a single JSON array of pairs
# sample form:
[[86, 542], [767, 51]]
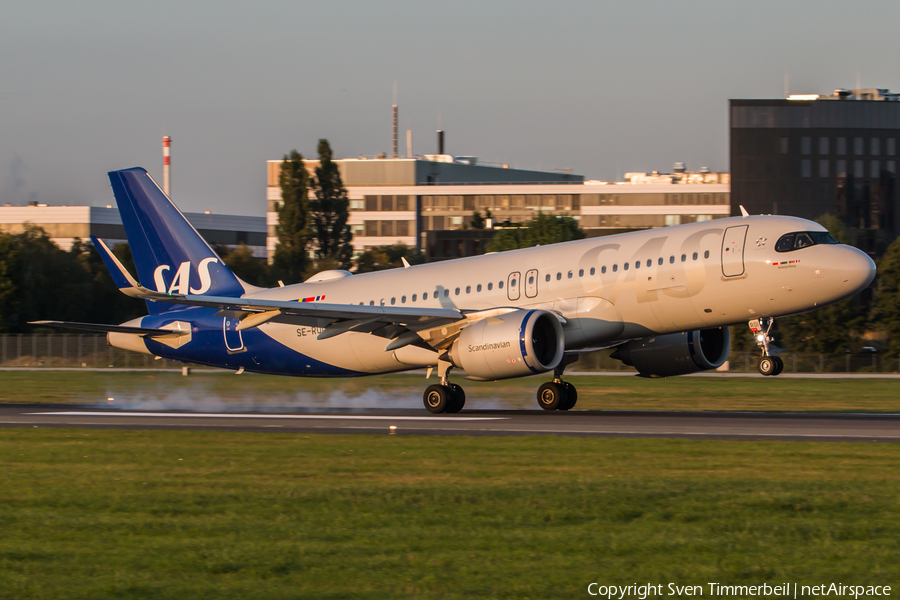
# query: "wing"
[[402, 326]]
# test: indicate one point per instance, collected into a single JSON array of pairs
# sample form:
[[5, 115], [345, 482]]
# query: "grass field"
[[162, 514], [211, 390]]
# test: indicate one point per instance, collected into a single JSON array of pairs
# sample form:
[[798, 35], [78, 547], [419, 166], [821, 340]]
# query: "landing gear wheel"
[[550, 395], [458, 399], [437, 398], [571, 397], [779, 365], [767, 365]]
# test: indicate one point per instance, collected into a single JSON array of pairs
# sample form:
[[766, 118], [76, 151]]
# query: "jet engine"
[[514, 344], [677, 353]]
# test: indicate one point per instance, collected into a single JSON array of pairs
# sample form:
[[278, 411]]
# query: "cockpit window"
[[803, 239]]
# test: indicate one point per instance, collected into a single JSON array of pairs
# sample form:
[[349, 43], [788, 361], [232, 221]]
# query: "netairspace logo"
[[715, 590]]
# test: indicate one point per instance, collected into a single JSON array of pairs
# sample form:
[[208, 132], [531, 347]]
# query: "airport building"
[[428, 202], [809, 155], [66, 223]]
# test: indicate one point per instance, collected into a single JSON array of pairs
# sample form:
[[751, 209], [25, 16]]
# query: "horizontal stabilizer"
[[100, 328]]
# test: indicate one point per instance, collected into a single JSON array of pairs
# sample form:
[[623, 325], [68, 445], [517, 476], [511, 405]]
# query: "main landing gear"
[[445, 397], [558, 394], [768, 364]]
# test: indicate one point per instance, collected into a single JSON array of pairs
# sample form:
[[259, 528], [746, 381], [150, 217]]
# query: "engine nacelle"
[[514, 344], [677, 353]]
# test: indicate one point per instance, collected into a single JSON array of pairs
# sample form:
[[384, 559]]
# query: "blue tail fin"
[[169, 254]]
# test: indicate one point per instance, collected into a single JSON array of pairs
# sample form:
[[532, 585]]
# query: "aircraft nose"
[[857, 269]]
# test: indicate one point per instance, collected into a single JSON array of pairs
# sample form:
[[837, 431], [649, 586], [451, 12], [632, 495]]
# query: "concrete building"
[[404, 200], [808, 155], [66, 223]]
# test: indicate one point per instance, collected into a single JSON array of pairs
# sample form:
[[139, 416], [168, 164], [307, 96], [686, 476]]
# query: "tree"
[[886, 307], [330, 211], [386, 257], [243, 264], [542, 230], [293, 219], [479, 222]]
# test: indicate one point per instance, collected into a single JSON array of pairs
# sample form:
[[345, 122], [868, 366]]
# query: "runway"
[[693, 425]]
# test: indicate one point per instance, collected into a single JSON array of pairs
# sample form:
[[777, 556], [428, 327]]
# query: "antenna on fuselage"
[[744, 212]]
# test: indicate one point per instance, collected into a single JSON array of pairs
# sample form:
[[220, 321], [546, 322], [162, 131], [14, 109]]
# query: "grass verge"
[[213, 390], [162, 514]]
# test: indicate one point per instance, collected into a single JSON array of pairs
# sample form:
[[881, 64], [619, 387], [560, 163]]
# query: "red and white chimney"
[[167, 141]]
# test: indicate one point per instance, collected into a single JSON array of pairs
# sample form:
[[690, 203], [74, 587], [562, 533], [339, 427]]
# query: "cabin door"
[[733, 250]]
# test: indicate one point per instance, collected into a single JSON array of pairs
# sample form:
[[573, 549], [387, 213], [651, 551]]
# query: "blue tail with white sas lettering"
[[169, 254]]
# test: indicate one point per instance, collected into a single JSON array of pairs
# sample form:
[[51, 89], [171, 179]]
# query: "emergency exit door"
[[733, 250]]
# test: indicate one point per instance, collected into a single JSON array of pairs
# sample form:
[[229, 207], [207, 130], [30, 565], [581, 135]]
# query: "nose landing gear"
[[445, 397], [768, 364], [558, 394]]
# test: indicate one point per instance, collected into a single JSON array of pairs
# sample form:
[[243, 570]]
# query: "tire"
[[779, 365], [571, 398], [550, 395], [436, 398], [767, 366], [457, 400]]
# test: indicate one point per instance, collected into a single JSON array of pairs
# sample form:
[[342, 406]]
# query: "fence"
[[92, 351]]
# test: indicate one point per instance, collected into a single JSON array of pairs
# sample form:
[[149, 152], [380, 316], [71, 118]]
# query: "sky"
[[601, 87]]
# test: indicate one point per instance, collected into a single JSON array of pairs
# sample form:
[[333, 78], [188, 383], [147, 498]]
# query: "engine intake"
[[514, 344], [677, 353]]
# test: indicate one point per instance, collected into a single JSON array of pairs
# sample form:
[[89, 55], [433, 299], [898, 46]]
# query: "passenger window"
[[425, 296], [558, 276], [649, 262], [457, 291], [803, 240], [785, 243], [468, 289], [581, 272], [490, 286], [570, 274], [683, 257], [696, 256], [593, 270], [531, 280], [671, 260], [414, 298], [393, 301], [603, 269], [637, 264], [500, 284], [615, 268], [371, 303], [626, 266], [547, 277], [478, 289], [402, 299], [706, 254], [660, 260], [446, 293]]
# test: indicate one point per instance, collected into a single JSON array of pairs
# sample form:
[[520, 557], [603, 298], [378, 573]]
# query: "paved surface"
[[696, 425]]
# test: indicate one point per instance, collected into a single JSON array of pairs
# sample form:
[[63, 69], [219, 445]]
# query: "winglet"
[[744, 212], [405, 262], [127, 284]]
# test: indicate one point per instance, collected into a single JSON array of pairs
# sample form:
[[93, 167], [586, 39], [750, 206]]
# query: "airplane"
[[662, 298]]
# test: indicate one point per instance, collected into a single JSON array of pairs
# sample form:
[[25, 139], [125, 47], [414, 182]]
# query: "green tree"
[[386, 257], [479, 222], [243, 264], [330, 211], [293, 219], [542, 230], [886, 307]]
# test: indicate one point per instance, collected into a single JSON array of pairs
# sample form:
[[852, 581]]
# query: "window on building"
[[402, 228], [891, 167], [371, 228], [841, 167], [858, 169], [783, 145], [891, 146], [858, 146], [673, 220], [875, 146], [823, 167], [357, 205], [842, 146], [823, 145], [874, 170], [371, 203], [387, 228], [805, 144], [805, 168]]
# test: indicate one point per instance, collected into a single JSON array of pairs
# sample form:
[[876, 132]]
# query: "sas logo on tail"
[[181, 285]]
